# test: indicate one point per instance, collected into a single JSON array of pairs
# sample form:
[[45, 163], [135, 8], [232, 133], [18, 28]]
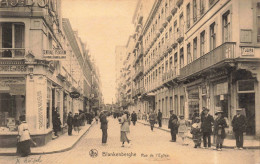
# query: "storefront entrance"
[[247, 101]]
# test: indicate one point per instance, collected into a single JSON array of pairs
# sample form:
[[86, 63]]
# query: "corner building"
[[203, 53]]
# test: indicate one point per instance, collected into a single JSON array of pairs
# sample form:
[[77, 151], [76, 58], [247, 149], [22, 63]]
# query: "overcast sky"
[[102, 24]]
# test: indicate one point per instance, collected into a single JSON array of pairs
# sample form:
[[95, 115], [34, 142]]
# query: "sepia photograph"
[[129, 81]]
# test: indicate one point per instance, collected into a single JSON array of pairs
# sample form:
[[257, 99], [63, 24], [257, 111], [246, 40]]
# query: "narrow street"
[[144, 144]]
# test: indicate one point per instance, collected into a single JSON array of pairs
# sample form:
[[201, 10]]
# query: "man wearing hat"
[[173, 125], [207, 122], [103, 127], [239, 126]]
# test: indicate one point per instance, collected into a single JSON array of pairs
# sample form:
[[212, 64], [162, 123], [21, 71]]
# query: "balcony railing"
[[12, 52], [170, 74], [217, 55]]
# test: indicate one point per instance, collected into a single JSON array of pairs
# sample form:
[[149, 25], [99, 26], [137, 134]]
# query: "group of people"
[[204, 125]]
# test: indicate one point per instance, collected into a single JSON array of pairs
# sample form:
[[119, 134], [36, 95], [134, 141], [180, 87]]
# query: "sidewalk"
[[60, 144], [228, 143]]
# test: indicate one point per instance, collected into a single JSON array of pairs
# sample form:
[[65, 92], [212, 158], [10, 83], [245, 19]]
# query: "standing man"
[[139, 115], [159, 117], [207, 122], [152, 119], [133, 117], [103, 126], [70, 123], [239, 126], [173, 125]]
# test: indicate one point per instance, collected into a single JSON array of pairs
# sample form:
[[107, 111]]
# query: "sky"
[[102, 24]]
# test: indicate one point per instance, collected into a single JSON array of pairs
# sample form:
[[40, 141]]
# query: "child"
[[196, 132], [182, 129]]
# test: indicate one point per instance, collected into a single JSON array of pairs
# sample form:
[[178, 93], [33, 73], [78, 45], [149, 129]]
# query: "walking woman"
[[125, 123], [24, 139], [219, 130]]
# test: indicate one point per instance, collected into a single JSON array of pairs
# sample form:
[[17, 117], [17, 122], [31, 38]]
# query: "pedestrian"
[[219, 129], [139, 115], [152, 119], [239, 127], [103, 127], [125, 123], [159, 117], [70, 123], [207, 121], [76, 122], [133, 117], [183, 128], [194, 116], [56, 124], [196, 132], [23, 138], [173, 125]]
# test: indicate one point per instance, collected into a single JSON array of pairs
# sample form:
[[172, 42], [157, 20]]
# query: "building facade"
[[199, 53], [40, 69]]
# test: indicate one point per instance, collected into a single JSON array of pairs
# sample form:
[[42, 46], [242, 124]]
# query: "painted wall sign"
[[13, 68], [54, 54], [248, 51]]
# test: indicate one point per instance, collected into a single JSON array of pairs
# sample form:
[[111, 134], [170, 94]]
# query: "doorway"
[[247, 101]]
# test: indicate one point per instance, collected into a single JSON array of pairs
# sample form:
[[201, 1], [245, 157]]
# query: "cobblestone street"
[[147, 147]]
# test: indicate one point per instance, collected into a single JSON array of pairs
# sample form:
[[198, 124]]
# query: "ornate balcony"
[[12, 52], [219, 55], [170, 75]]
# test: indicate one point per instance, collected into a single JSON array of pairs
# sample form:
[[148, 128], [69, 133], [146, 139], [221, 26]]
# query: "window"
[[226, 27], [194, 10], [170, 63], [212, 36], [162, 68], [181, 25], [166, 66], [258, 22], [202, 43], [195, 48], [211, 2], [166, 35], [188, 15], [49, 42], [202, 7], [189, 58], [12, 40], [181, 58], [175, 59]]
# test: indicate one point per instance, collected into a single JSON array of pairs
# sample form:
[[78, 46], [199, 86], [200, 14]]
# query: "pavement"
[[146, 147], [228, 143], [63, 143]]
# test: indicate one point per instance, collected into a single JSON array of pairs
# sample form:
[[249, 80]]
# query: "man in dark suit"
[[173, 125], [70, 123], [159, 117], [239, 126], [103, 126], [207, 122], [133, 117]]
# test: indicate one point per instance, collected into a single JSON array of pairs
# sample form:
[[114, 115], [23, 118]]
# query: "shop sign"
[[74, 94], [221, 88], [248, 51], [28, 3], [193, 94], [57, 54], [13, 68]]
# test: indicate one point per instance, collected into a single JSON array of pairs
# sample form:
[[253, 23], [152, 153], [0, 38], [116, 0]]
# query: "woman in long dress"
[[125, 123], [24, 139], [183, 129]]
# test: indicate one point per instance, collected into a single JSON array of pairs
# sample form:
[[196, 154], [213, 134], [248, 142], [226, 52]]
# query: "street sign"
[[74, 94]]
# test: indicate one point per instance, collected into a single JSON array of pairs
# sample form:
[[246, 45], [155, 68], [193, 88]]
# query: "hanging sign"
[[74, 94]]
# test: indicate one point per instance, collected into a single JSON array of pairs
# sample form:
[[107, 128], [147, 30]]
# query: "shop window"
[[176, 110], [221, 97], [12, 40], [245, 86], [171, 104], [182, 107], [12, 103], [48, 107]]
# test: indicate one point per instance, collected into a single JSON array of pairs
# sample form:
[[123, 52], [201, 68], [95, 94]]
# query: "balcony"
[[174, 11], [170, 75], [12, 52], [219, 55], [179, 3], [138, 71]]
